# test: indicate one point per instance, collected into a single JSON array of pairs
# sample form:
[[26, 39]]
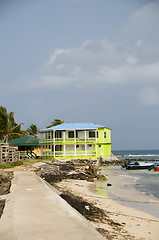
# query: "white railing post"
[[75, 136], [75, 149], [54, 150], [86, 150], [64, 136], [96, 148], [64, 150]]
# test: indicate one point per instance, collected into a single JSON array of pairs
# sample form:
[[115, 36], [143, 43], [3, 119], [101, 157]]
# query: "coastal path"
[[35, 211]]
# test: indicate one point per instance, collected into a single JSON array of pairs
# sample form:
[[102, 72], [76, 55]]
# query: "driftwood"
[[93, 168]]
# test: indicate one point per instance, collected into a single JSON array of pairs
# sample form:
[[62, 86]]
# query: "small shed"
[[26, 145]]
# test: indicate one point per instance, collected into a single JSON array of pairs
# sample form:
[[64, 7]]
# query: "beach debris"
[[93, 167], [87, 207], [85, 170], [109, 184], [102, 177], [2, 204]]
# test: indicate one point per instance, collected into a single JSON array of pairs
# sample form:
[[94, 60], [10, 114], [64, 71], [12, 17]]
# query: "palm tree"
[[8, 127], [55, 122], [33, 130]]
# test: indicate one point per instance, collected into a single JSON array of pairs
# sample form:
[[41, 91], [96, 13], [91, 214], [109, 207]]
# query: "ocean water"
[[134, 188], [137, 154]]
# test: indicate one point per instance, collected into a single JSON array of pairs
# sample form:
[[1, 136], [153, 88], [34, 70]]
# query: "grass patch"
[[10, 165], [33, 160]]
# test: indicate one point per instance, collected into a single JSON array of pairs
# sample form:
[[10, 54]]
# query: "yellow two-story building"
[[75, 140]]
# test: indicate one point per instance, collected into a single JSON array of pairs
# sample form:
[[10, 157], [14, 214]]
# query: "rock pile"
[[68, 169], [5, 182], [54, 172]]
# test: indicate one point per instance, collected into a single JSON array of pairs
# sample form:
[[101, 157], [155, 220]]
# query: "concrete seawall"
[[35, 211]]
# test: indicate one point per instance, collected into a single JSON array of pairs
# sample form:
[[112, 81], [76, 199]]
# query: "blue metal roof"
[[74, 126]]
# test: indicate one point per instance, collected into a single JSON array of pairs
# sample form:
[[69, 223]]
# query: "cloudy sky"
[[83, 61]]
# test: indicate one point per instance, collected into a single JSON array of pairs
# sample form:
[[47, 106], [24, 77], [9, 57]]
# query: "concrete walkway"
[[34, 211]]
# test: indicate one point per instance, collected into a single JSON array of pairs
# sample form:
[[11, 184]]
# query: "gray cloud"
[[149, 96]]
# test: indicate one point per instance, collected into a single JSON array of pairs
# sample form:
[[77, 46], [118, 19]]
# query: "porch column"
[[75, 149], [96, 135], [85, 135], [86, 150], [96, 149], [45, 149], [54, 150], [54, 135], [75, 135], [64, 148], [42, 150]]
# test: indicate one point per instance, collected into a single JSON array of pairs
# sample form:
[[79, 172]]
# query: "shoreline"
[[126, 191], [134, 224], [114, 220]]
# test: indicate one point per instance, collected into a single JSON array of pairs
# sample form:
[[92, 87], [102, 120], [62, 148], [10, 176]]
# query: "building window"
[[97, 134], [91, 134], [77, 146], [105, 134], [99, 145], [71, 134]]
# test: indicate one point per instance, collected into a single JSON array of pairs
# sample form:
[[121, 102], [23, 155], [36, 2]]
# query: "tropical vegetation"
[[55, 122], [9, 129], [33, 130]]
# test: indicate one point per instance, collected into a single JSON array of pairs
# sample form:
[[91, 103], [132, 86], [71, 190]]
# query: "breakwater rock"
[[70, 169], [5, 182], [56, 171]]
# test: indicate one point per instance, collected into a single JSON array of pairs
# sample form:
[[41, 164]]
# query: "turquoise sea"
[[134, 188]]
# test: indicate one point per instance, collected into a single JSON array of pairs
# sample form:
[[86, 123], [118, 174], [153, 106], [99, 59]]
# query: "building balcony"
[[68, 153], [63, 141]]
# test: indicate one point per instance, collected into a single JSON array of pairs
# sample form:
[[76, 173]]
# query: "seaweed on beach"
[[95, 214], [2, 204], [89, 211]]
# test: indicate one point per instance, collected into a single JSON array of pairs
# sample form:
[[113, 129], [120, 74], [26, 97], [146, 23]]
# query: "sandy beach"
[[116, 221], [120, 222]]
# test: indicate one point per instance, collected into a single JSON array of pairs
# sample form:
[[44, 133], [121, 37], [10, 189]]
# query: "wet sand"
[[121, 221]]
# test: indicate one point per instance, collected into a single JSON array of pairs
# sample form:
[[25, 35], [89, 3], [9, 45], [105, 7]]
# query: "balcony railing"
[[67, 140], [67, 153]]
